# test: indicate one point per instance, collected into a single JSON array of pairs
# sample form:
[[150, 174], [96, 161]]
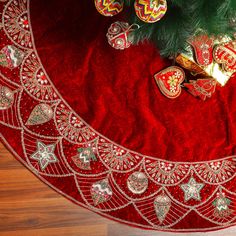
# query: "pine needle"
[[182, 20]]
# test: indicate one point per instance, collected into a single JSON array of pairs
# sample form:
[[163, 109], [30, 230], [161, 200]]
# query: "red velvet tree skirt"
[[89, 121]]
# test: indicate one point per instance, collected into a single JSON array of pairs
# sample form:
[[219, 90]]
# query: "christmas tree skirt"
[[90, 122]]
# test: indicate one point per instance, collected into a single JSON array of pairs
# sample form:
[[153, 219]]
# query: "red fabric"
[[114, 91]]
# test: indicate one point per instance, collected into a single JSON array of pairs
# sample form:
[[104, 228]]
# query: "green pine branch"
[[182, 20]]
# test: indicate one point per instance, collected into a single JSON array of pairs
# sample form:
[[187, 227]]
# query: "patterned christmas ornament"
[[202, 88], [119, 35], [44, 155], [109, 7], [6, 97], [186, 60], [150, 11], [221, 205], [11, 57], [41, 114], [203, 48], [137, 183], [83, 159], [162, 205], [192, 190], [225, 54], [101, 192], [169, 81]]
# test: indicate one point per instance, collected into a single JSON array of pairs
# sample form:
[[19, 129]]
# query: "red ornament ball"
[[150, 11], [109, 7], [119, 35]]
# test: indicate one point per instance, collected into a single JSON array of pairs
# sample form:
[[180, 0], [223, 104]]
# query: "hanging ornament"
[[84, 158], [6, 97], [202, 88], [203, 49], [169, 81], [162, 205], [150, 11], [101, 192], [119, 34], [225, 54], [109, 7], [187, 61], [221, 205], [11, 57], [137, 183], [41, 114]]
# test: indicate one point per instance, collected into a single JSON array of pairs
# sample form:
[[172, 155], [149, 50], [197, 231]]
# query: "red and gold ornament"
[[225, 54], [119, 34], [109, 7], [202, 88], [150, 11], [214, 70], [203, 48], [169, 81]]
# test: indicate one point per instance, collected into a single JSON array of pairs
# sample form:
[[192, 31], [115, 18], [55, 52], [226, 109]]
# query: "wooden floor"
[[30, 208]]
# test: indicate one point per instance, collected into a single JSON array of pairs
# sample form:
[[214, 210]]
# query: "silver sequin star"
[[192, 190], [44, 154]]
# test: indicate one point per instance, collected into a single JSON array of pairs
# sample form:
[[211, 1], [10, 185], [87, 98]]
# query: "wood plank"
[[94, 230]]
